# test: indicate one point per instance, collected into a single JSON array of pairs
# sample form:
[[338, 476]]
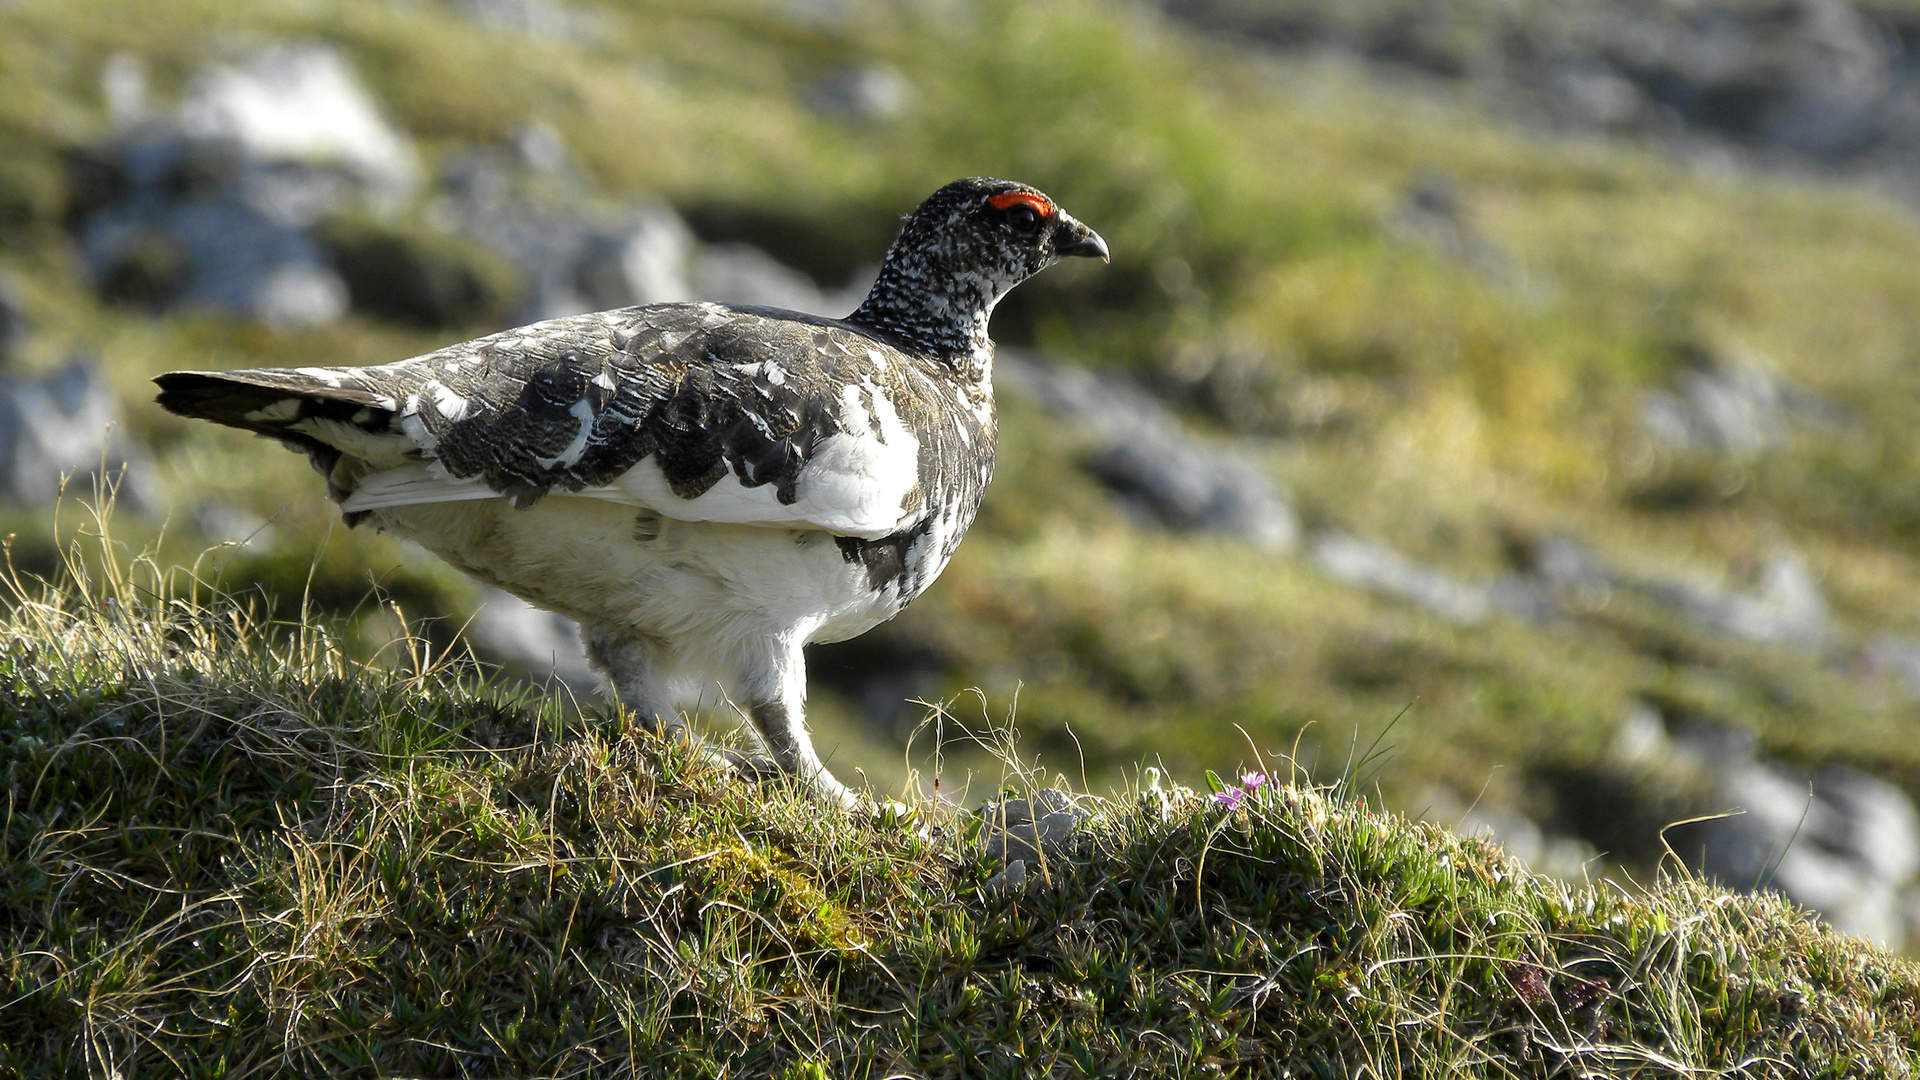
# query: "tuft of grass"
[[231, 850], [1451, 385]]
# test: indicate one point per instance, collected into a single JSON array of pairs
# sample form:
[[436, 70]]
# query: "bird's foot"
[[756, 767]]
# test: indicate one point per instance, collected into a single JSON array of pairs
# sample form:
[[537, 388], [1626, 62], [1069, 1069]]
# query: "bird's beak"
[[1072, 238]]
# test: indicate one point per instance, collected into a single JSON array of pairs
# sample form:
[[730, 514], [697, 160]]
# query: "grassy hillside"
[[1462, 386], [230, 850]]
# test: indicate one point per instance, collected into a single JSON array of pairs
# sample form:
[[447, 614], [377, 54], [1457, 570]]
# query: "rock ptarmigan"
[[705, 488]]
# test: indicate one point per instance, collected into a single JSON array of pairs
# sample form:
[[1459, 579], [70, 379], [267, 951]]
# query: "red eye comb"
[[1008, 199]]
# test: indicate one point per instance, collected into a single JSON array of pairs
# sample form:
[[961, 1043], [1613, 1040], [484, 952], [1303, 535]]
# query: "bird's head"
[[960, 252], [1000, 230]]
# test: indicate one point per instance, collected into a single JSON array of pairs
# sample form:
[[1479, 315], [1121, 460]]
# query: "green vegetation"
[[232, 847], [230, 850], [1263, 278]]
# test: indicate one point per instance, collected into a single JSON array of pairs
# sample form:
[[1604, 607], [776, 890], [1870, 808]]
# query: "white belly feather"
[[704, 591]]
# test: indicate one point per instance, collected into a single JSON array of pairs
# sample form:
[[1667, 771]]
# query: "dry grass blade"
[[230, 850]]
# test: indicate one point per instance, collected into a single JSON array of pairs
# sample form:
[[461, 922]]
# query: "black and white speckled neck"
[[957, 255]]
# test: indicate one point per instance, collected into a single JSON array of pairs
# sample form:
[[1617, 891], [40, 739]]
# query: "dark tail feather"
[[271, 402], [268, 400]]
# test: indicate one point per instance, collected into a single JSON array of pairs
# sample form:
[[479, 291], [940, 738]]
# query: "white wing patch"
[[854, 485], [411, 485], [451, 405], [566, 459], [355, 441], [415, 428], [330, 376], [839, 491], [284, 409]]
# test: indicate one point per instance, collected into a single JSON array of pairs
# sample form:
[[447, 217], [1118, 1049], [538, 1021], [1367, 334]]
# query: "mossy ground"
[[1264, 280], [231, 850]]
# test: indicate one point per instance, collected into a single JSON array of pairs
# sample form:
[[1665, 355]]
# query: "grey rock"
[[1841, 81], [1786, 608], [215, 250], [537, 644], [211, 207], [576, 252], [1822, 82], [1843, 843], [1736, 408], [1142, 451], [1381, 569], [1431, 215], [1641, 738], [125, 90], [547, 19], [743, 274], [1754, 852], [869, 93], [641, 259], [1025, 834], [1705, 745], [1569, 564], [1595, 94], [1565, 857], [226, 524], [568, 257], [1870, 819], [1540, 851], [1010, 878], [816, 12], [1524, 598], [1844, 846], [1513, 831], [573, 251], [59, 424], [1192, 487], [1899, 656], [296, 294], [1562, 572], [545, 152]]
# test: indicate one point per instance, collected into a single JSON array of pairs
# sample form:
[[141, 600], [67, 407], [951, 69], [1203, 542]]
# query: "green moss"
[[1451, 393], [367, 871], [420, 277]]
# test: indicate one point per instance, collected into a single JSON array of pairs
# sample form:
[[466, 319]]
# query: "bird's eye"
[[1024, 217]]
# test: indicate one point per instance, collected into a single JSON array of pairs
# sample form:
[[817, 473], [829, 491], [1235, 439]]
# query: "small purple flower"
[[1253, 781], [1229, 799]]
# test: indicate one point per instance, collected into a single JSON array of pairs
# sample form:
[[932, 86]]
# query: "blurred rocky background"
[[1512, 407]]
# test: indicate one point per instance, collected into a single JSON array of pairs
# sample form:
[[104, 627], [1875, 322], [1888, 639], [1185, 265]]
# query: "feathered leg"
[[631, 665], [775, 682]]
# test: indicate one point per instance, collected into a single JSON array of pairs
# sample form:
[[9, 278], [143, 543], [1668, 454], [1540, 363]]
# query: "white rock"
[[295, 295], [301, 103], [58, 425], [1377, 567], [1786, 608]]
